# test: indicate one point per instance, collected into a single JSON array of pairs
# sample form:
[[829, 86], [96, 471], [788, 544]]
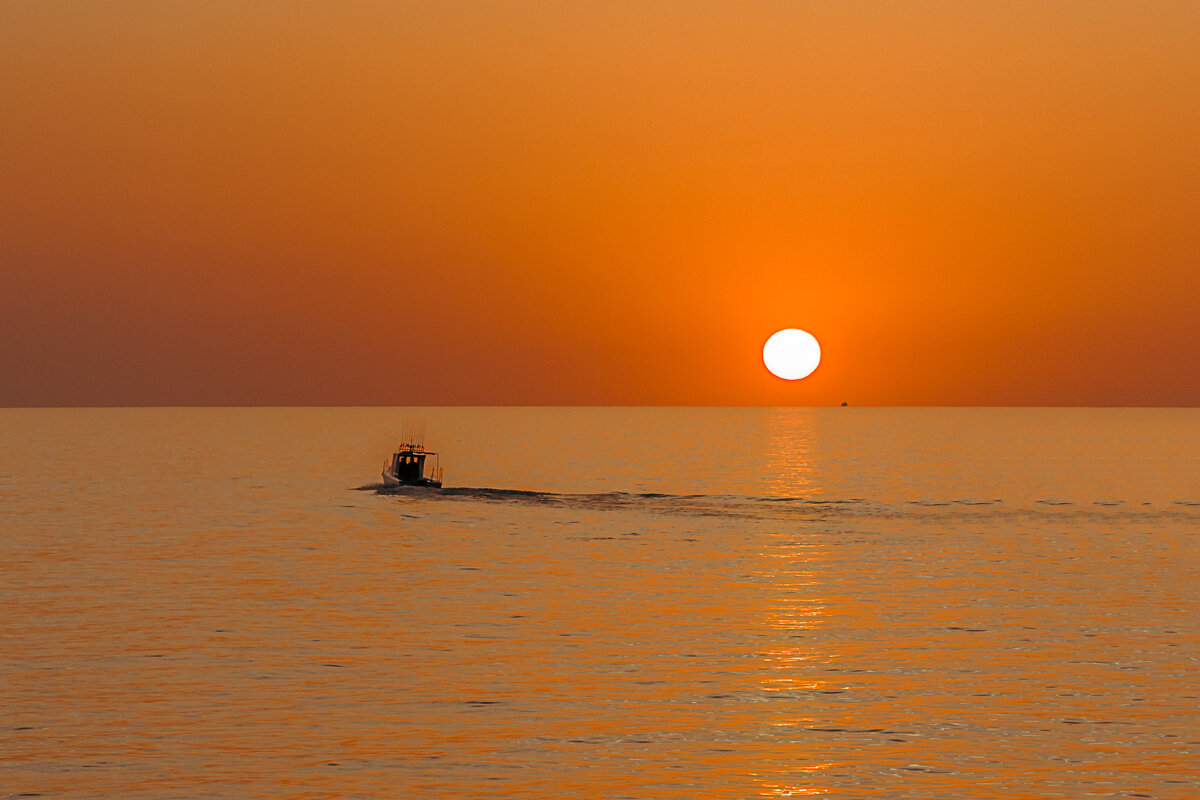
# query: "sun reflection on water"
[[787, 790], [791, 466], [793, 617]]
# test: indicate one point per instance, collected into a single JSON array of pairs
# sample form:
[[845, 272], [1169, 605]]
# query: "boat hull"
[[391, 481]]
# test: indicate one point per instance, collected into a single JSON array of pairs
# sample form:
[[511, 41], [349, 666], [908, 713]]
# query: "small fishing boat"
[[406, 467]]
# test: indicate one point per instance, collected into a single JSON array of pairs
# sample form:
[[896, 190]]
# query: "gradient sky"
[[411, 203]]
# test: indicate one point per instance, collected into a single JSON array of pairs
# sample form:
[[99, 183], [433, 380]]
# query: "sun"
[[792, 354]]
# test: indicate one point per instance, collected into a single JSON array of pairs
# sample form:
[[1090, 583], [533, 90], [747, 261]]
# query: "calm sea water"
[[604, 603]]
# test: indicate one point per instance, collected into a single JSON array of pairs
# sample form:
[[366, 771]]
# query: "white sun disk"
[[792, 354]]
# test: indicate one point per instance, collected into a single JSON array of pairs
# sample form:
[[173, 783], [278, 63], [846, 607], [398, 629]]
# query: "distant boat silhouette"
[[406, 467]]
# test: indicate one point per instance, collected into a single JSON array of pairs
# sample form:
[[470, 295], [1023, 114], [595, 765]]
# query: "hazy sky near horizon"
[[409, 203]]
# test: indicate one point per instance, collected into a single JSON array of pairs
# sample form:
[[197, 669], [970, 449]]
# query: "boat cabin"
[[407, 467]]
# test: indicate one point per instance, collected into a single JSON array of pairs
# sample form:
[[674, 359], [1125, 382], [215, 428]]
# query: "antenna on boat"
[[412, 435]]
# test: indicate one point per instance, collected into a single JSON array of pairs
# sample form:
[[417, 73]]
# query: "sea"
[[601, 603]]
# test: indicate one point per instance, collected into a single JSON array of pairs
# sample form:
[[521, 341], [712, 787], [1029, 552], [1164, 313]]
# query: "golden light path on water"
[[792, 567]]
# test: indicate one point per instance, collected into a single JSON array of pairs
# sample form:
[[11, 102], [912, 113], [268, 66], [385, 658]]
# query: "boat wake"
[[695, 504], [731, 505]]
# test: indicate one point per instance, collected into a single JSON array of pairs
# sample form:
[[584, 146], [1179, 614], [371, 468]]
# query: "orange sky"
[[402, 203]]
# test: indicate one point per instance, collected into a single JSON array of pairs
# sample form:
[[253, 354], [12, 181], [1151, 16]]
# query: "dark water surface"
[[604, 603]]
